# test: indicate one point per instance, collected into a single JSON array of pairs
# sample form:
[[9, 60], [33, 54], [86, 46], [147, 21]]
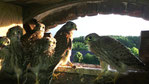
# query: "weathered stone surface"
[[67, 77], [124, 7], [144, 48]]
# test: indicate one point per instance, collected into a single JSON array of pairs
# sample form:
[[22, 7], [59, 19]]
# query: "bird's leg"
[[35, 70], [113, 75], [107, 76], [51, 77], [37, 80], [18, 73], [1, 61], [18, 82], [67, 59], [104, 70], [54, 75], [116, 75], [70, 63], [110, 76]]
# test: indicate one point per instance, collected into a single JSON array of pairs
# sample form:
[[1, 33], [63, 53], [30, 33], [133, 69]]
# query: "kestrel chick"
[[42, 56], [14, 61], [4, 41], [36, 34], [4, 52], [64, 38], [113, 52]]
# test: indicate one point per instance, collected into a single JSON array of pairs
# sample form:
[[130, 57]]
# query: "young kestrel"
[[113, 52], [64, 38]]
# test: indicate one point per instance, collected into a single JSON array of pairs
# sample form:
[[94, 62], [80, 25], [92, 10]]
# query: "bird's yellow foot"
[[100, 76], [37, 81], [108, 78], [55, 76], [72, 65], [113, 77]]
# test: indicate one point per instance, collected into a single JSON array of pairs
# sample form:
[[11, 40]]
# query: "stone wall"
[[10, 15], [144, 48]]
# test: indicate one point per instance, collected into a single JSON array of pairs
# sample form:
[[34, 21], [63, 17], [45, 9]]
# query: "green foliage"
[[129, 41], [79, 39], [78, 57], [79, 46], [135, 51], [90, 59]]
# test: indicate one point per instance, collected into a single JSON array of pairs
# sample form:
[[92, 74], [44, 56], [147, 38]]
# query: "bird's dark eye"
[[90, 38], [14, 33], [8, 42], [54, 42], [47, 40], [19, 32], [71, 24]]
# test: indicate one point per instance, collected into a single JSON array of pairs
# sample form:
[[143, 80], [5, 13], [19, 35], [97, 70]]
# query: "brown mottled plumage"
[[64, 39], [4, 51], [41, 57], [14, 62], [113, 52], [37, 33]]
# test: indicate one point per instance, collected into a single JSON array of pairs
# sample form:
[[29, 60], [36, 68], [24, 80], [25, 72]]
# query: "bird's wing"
[[69, 42], [118, 52], [63, 43]]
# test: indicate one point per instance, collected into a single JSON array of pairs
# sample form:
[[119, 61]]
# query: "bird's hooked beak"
[[75, 28]]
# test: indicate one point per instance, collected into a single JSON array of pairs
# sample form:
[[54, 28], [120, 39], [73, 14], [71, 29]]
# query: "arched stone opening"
[[71, 11], [62, 12], [54, 12]]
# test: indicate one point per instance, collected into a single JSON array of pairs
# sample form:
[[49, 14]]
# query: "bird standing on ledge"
[[114, 53], [64, 38]]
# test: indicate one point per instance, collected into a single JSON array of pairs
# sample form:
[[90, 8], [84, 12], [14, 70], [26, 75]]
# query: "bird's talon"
[[99, 77], [55, 76], [74, 66]]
